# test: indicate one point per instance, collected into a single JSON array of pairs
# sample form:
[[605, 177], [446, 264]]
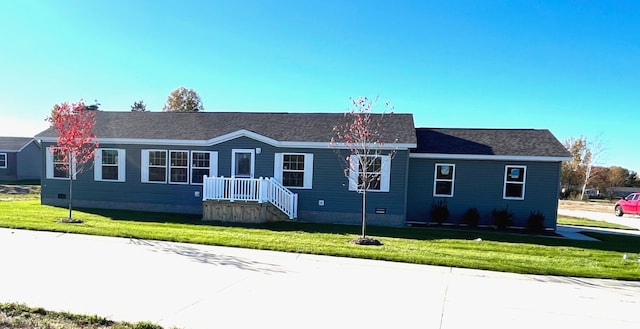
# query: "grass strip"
[[20, 316], [478, 249], [575, 221]]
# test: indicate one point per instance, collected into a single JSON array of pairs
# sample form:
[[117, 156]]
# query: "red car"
[[629, 205]]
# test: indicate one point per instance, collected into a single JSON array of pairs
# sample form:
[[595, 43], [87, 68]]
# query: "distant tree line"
[[180, 99], [581, 174]]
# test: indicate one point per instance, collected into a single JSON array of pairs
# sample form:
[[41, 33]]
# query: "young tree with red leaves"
[[361, 136], [75, 146]]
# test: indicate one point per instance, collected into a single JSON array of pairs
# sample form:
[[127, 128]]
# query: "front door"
[[242, 163]]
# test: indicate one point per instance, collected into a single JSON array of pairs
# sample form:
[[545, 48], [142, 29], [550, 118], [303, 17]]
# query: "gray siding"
[[479, 184], [29, 162], [329, 184], [9, 173]]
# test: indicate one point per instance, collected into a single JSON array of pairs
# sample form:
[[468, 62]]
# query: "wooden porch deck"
[[249, 212]]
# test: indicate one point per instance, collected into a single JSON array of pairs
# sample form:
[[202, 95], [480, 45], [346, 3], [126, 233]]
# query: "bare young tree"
[[360, 134], [578, 173]]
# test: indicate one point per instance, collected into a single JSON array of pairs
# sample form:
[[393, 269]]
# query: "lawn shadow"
[[144, 216], [201, 255], [608, 241]]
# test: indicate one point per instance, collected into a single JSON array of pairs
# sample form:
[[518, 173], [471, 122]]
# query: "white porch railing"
[[251, 189]]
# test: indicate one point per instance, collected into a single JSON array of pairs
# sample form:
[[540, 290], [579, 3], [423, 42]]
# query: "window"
[[109, 165], [514, 182], [179, 167], [3, 160], [443, 180], [56, 166], [203, 163], [154, 166], [378, 171], [294, 170]]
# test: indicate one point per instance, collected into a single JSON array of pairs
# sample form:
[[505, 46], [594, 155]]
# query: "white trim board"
[[531, 158], [234, 135]]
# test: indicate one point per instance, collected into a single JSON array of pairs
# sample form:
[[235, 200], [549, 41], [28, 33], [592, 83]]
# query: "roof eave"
[[490, 157]]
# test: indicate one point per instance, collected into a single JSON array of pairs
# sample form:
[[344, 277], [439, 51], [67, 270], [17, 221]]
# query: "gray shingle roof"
[[13, 144], [502, 142], [289, 127]]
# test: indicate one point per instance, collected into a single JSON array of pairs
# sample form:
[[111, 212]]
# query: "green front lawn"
[[499, 251]]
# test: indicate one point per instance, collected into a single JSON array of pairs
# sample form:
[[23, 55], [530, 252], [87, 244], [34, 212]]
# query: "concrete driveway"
[[193, 286]]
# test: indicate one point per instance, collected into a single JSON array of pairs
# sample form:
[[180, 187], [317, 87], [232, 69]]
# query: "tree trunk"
[[70, 172], [586, 181], [364, 213]]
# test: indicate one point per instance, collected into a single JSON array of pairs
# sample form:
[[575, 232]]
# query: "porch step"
[[241, 212]]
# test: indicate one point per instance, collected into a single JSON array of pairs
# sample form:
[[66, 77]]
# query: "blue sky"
[[571, 67]]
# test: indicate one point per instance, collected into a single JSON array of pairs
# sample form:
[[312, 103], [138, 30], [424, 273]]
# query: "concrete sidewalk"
[[193, 286]]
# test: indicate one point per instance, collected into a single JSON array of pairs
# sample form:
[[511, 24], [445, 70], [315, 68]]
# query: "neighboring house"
[[20, 159], [157, 161]]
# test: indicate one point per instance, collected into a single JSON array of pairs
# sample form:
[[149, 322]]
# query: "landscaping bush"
[[536, 221], [471, 217], [439, 212], [502, 218]]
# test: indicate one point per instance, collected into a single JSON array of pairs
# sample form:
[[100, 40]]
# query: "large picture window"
[[109, 165], [294, 170], [443, 180], [514, 182], [3, 160], [179, 167], [378, 172]]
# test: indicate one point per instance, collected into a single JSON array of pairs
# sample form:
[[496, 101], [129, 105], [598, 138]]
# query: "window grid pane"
[[179, 159], [158, 158], [513, 190], [3, 160], [157, 174], [109, 157], [293, 179], [293, 162], [110, 172]]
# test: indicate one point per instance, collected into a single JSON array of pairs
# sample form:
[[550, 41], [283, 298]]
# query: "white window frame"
[[170, 166], [49, 164], [213, 165], [436, 179], [3, 159], [233, 161], [385, 172], [97, 165], [278, 170], [144, 166], [523, 183]]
